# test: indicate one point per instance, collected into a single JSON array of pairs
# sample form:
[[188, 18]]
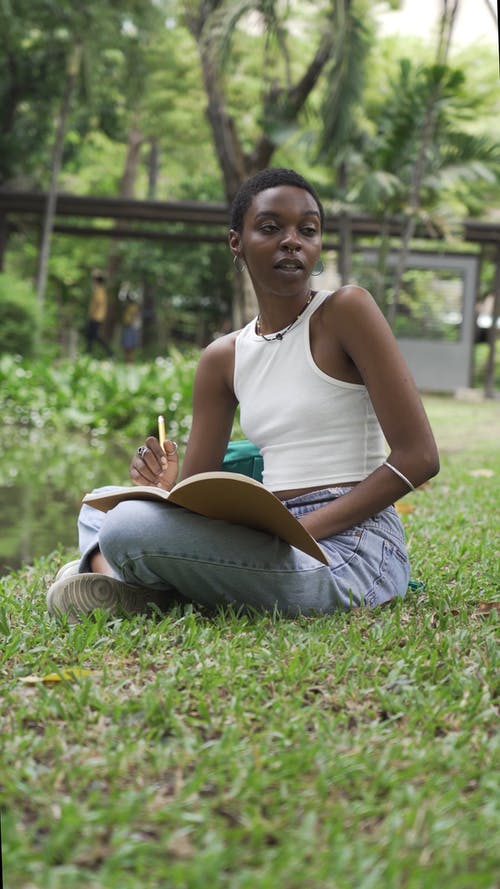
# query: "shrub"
[[19, 316]]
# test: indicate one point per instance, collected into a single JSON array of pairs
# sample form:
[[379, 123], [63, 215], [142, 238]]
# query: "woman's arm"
[[369, 343], [214, 406]]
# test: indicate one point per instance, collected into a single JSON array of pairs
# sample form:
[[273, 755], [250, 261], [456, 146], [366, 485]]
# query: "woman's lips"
[[289, 265]]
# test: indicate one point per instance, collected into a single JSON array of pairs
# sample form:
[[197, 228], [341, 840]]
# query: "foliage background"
[[138, 127]]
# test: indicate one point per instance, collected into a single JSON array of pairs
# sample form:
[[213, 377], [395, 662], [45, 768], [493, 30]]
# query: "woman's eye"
[[269, 227], [310, 231]]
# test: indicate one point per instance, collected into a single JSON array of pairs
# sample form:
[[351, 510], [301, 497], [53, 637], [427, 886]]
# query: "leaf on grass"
[[62, 675], [484, 473], [487, 607], [404, 508], [180, 846]]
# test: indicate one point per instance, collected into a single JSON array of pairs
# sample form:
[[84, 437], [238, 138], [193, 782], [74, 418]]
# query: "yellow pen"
[[161, 430]]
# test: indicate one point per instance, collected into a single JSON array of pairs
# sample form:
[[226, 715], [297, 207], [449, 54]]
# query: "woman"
[[321, 383]]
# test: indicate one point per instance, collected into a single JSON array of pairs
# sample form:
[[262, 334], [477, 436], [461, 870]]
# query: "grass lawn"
[[351, 751]]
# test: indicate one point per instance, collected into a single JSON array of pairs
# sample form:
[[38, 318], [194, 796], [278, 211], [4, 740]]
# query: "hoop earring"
[[318, 268], [242, 265]]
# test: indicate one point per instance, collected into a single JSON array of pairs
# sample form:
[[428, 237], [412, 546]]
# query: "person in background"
[[98, 310], [325, 394], [131, 321]]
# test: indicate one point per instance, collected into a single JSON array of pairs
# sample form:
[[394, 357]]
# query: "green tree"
[[341, 134], [19, 316], [82, 30], [49, 215], [32, 53], [457, 162], [246, 139]]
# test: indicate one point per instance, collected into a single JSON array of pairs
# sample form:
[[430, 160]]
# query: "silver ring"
[[141, 451], [171, 453]]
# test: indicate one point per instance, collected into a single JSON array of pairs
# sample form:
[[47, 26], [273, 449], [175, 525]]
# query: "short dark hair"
[[271, 177]]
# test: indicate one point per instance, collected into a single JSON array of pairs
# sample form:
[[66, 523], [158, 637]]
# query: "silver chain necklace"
[[281, 333]]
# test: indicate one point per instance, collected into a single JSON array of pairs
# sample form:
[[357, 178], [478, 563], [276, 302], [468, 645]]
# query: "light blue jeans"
[[214, 563]]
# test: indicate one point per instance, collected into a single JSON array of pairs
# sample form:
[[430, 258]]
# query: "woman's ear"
[[235, 242]]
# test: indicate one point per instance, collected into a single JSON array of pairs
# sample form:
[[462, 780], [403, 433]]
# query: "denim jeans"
[[214, 563]]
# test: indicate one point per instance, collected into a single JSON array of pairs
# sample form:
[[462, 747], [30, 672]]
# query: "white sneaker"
[[68, 569], [76, 594]]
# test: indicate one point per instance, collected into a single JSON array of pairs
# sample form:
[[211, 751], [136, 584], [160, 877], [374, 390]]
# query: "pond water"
[[42, 482]]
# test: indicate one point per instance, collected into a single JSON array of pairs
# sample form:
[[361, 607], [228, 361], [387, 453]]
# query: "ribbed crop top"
[[311, 429]]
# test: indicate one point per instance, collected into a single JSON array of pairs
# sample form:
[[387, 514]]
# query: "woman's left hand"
[[151, 465]]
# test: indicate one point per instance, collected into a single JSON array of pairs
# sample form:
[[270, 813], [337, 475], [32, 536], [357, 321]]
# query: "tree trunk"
[[489, 379], [244, 302], [3, 239], [345, 247], [50, 209], [345, 230], [135, 141], [408, 232], [492, 10], [153, 168], [380, 292], [227, 144], [448, 17]]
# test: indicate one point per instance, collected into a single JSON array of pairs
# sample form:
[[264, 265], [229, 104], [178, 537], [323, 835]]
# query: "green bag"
[[244, 457]]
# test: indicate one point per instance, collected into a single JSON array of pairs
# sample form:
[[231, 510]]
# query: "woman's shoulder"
[[348, 295], [222, 344], [219, 354], [348, 301]]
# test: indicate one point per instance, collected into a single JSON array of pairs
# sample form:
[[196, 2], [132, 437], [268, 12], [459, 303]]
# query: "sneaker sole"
[[83, 593]]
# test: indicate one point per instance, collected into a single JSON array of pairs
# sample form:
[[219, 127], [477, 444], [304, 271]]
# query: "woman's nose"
[[290, 242]]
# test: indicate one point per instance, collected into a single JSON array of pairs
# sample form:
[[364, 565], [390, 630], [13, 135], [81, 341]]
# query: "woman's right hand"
[[151, 465]]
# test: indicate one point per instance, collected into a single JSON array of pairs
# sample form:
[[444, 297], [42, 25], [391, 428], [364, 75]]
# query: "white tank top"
[[312, 430]]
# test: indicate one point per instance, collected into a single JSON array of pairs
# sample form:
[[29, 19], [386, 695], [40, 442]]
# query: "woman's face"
[[281, 238]]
